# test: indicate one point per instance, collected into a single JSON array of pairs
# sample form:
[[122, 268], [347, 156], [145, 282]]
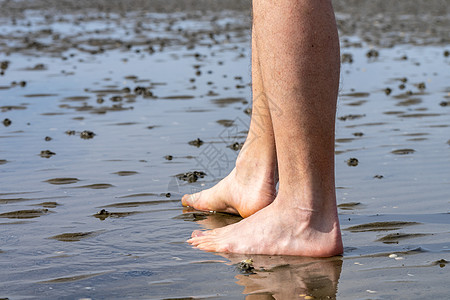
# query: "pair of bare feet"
[[271, 225], [295, 81]]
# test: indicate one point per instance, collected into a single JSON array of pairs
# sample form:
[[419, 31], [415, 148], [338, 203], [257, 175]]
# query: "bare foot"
[[277, 230], [249, 187]]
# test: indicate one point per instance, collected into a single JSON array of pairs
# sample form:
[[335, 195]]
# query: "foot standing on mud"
[[295, 76]]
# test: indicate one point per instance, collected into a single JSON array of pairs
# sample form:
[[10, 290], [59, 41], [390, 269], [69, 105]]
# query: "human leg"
[[251, 184], [298, 47]]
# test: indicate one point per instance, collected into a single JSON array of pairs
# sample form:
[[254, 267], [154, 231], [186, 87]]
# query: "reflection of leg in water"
[[297, 47], [288, 277], [251, 184]]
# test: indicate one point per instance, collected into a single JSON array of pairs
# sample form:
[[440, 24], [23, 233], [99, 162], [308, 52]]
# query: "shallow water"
[[98, 215]]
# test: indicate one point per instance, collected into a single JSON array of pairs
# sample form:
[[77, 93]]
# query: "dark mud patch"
[[25, 214], [75, 236], [76, 98], [103, 214], [12, 107], [344, 140], [46, 153], [351, 117], [403, 151], [72, 278], [225, 123], [178, 97], [40, 95], [126, 123], [197, 142], [191, 176], [3, 161], [350, 205], [223, 102], [419, 115], [86, 135], [96, 186], [441, 263], [140, 203], [366, 124], [356, 95], [356, 103], [139, 195], [192, 216], [394, 238], [381, 226], [50, 204], [126, 173], [409, 102], [62, 180], [16, 223], [352, 162]]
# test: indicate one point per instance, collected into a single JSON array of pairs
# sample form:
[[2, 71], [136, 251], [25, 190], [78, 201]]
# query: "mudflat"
[[111, 110]]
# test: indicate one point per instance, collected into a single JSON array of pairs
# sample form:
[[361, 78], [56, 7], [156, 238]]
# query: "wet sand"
[[111, 110]]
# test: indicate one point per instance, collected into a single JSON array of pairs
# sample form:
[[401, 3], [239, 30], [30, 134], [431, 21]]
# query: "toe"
[[186, 200], [197, 233]]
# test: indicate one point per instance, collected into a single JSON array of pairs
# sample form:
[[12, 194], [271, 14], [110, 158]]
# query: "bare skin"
[[296, 66], [251, 185]]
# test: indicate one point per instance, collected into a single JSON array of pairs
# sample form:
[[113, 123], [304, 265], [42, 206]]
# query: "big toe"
[[189, 199]]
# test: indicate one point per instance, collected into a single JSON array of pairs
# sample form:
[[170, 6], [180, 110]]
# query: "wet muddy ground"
[[110, 113]]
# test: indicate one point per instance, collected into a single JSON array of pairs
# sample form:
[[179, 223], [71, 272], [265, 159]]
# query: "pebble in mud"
[[47, 138], [352, 162], [7, 122], [70, 132], [168, 157], [387, 91], [372, 53], [378, 176], [236, 146], [421, 86], [197, 142], [347, 58], [47, 153], [86, 134], [446, 53], [4, 65]]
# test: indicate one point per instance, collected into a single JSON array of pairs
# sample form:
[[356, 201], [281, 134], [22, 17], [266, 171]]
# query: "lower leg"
[[299, 58], [251, 185]]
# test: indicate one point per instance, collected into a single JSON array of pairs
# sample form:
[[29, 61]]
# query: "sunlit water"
[[54, 244]]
